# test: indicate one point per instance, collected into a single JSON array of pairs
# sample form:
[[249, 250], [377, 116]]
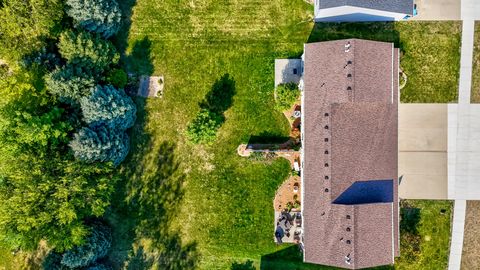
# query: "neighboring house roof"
[[350, 175], [398, 6]]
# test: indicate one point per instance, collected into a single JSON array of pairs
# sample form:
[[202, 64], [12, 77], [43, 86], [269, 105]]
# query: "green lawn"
[[430, 54], [185, 206], [220, 209], [475, 98]]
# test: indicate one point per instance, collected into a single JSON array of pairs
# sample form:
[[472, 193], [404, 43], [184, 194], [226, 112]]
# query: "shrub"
[[204, 127], [109, 106], [99, 16], [69, 83], [87, 51], [53, 261], [100, 143], [287, 94], [117, 77], [95, 247], [99, 267]]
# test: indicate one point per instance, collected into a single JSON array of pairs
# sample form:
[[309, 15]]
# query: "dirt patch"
[[151, 86], [471, 241]]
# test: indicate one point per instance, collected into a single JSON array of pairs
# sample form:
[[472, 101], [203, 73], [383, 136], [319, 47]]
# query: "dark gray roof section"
[[398, 6]]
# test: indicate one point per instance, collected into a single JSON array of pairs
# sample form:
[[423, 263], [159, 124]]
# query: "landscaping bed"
[[475, 98], [471, 242]]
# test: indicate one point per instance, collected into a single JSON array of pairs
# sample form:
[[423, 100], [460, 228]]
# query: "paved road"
[[464, 131]]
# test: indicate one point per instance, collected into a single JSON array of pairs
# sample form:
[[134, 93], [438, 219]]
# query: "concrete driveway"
[[422, 151], [435, 10]]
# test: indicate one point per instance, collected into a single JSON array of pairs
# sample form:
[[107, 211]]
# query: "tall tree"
[[109, 106], [87, 51], [26, 24], [96, 246], [69, 83], [44, 193], [100, 143], [99, 16]]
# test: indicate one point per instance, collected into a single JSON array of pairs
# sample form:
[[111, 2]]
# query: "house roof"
[[398, 6], [350, 178]]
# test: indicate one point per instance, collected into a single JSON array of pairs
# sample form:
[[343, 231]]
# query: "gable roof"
[[398, 6], [350, 178]]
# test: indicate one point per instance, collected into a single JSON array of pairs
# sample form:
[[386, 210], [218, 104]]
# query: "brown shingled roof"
[[350, 101]]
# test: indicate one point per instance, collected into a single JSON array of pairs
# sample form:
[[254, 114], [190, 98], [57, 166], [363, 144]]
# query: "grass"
[[471, 242], [185, 206], [430, 54], [475, 97], [224, 211]]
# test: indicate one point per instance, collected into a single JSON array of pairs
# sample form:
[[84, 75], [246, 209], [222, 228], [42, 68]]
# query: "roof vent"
[[326, 114], [349, 88], [348, 260], [349, 62], [326, 152], [326, 139], [326, 190], [326, 164], [326, 177], [348, 229], [347, 46], [349, 75], [323, 84], [349, 242], [323, 214], [348, 216], [326, 127]]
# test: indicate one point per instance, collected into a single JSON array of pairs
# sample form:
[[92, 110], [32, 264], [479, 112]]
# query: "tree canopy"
[[109, 106], [99, 16], [204, 127], [100, 143], [69, 83], [96, 246], [45, 194], [26, 24], [87, 51]]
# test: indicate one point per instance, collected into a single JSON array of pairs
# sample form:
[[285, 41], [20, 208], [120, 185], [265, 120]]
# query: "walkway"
[[463, 134]]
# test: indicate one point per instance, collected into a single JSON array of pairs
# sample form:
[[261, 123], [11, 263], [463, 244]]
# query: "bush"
[[204, 127], [287, 94], [99, 16], [118, 78], [100, 143], [69, 83], [109, 106], [89, 52], [53, 261], [96, 247], [99, 267]]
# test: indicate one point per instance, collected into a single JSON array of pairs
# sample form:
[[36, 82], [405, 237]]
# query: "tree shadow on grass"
[[292, 258], [154, 191], [248, 265], [220, 97], [139, 61], [378, 31]]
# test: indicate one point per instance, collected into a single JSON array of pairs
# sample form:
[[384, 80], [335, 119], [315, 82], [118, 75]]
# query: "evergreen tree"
[[69, 83], [99, 16], [100, 143], [109, 106], [87, 51], [95, 247]]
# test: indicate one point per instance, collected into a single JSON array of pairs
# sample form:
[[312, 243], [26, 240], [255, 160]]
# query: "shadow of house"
[[377, 31], [248, 265]]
